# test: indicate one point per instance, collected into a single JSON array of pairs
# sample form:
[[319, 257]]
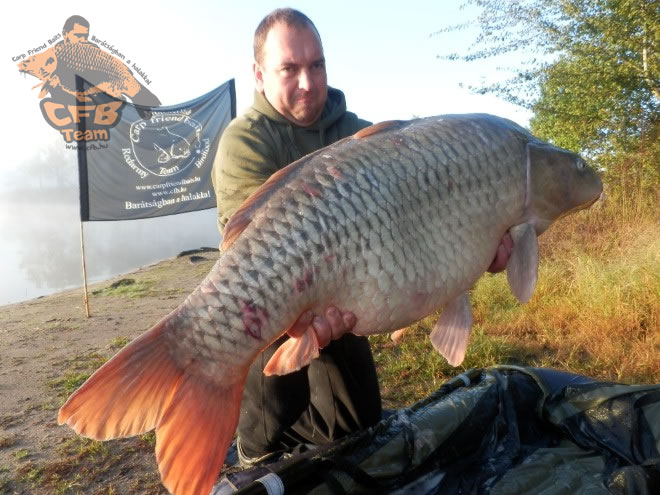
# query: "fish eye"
[[579, 164]]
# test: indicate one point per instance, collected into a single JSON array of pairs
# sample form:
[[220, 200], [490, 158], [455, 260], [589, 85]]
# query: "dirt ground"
[[47, 348]]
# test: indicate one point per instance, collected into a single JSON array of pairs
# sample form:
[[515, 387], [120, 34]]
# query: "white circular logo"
[[166, 144]]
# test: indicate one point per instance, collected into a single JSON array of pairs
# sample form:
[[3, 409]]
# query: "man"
[[295, 113], [75, 30]]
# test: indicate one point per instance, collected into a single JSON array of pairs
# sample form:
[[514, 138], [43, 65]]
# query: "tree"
[[591, 75]]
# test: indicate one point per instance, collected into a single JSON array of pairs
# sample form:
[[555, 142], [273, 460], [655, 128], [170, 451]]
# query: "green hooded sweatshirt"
[[258, 143]]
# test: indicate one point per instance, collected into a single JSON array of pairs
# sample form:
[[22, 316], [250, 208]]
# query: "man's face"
[[77, 34], [292, 73]]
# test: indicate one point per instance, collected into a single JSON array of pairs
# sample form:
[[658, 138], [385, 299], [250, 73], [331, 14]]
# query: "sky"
[[382, 56]]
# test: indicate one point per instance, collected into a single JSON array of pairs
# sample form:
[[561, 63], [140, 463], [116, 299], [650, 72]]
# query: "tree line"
[[590, 73]]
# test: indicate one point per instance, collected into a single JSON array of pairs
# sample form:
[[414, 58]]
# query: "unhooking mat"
[[500, 430]]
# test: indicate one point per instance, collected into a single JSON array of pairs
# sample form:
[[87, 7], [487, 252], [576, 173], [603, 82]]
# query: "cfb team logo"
[[84, 111], [166, 144]]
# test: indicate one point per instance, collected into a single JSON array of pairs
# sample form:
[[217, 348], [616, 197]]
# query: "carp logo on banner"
[[88, 86], [167, 144]]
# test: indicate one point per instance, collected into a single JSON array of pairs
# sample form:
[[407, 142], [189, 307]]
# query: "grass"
[[126, 287], [131, 288], [119, 342], [21, 454], [595, 310], [78, 369], [81, 462]]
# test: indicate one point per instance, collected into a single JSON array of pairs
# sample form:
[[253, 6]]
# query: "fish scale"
[[391, 224]]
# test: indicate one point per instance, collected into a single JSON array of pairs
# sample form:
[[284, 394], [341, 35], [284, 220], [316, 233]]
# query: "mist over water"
[[40, 231]]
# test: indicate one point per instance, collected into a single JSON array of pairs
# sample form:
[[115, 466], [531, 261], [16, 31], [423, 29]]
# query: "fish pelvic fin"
[[523, 266], [293, 354], [451, 332], [142, 388]]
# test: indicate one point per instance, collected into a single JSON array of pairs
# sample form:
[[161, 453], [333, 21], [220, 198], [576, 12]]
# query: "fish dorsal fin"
[[376, 128], [522, 269], [243, 216]]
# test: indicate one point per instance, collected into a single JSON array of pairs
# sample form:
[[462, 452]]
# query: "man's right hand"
[[502, 254], [329, 326]]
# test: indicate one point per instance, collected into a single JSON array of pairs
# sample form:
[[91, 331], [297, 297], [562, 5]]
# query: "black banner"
[[150, 162]]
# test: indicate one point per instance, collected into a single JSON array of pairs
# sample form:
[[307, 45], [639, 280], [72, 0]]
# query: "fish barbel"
[[392, 223]]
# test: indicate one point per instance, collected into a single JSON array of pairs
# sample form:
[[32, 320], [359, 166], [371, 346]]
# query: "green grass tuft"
[[21, 454], [119, 342]]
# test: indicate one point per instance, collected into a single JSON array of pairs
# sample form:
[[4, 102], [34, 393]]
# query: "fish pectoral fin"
[[523, 266], [451, 332], [294, 354]]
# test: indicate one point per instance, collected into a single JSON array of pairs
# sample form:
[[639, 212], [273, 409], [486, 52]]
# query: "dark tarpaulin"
[[499, 431], [156, 161]]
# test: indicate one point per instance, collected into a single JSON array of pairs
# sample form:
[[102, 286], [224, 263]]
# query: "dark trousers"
[[335, 395]]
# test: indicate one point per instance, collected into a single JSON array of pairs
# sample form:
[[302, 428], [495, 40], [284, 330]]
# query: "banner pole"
[[84, 198], [84, 269]]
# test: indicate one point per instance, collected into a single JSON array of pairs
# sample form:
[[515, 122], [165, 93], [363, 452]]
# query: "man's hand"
[[502, 255], [330, 326]]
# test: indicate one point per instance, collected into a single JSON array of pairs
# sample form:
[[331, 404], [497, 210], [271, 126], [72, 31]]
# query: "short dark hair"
[[72, 21], [287, 16]]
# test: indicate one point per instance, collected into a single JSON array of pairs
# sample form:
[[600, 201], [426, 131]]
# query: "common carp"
[[392, 224], [58, 66]]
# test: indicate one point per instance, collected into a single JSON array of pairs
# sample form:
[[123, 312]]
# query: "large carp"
[[392, 223]]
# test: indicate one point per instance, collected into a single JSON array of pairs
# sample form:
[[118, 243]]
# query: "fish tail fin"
[[195, 432], [143, 388], [128, 394]]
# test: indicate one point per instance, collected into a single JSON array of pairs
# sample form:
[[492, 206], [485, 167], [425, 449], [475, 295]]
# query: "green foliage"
[[590, 72]]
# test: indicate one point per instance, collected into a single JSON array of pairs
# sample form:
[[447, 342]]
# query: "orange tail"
[[142, 388]]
